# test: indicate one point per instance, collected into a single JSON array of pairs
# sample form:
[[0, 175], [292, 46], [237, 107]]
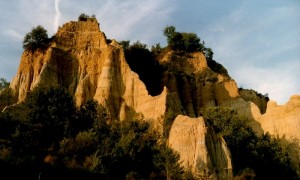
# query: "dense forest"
[[48, 136]]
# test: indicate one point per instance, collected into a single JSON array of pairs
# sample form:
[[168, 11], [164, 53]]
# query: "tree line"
[[253, 156], [48, 136]]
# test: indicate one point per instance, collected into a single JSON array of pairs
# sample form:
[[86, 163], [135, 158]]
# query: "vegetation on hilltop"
[[145, 61], [142, 61], [37, 38], [85, 17]]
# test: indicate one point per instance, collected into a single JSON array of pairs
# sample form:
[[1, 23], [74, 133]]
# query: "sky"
[[257, 41]]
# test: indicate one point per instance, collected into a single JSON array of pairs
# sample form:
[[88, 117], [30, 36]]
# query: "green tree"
[[48, 115], [264, 155], [37, 38], [174, 38], [167, 161], [84, 17], [208, 53], [191, 42], [3, 84], [156, 50], [185, 42], [6, 95], [125, 44]]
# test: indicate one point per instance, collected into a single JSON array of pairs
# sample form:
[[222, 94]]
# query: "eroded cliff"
[[200, 150], [81, 59]]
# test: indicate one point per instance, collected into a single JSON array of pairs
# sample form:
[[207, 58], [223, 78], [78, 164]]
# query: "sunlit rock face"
[[283, 120], [200, 150], [81, 59]]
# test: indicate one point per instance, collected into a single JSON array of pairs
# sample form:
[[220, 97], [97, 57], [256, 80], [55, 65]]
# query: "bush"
[[264, 155], [83, 17], [37, 38], [185, 42], [3, 84]]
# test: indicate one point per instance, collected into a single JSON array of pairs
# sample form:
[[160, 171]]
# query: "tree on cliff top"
[[85, 17], [182, 41], [37, 38]]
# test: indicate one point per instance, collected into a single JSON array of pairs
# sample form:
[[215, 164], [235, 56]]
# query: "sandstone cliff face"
[[201, 151], [82, 60], [195, 85], [257, 98], [283, 120]]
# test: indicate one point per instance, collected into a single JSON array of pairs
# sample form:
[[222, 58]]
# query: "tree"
[[167, 161], [209, 53], [125, 44], [182, 41], [6, 94], [3, 84], [37, 38], [264, 155], [48, 116], [83, 17], [174, 38]]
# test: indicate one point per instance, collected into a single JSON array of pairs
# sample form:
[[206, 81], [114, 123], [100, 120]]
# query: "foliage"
[[264, 155], [56, 139], [3, 84], [186, 42], [157, 49], [167, 162], [216, 67], [6, 95], [125, 44], [85, 17], [37, 38], [208, 53]]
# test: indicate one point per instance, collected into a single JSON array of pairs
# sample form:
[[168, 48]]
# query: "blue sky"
[[257, 41]]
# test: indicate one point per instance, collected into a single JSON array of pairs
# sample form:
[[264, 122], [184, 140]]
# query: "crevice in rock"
[[142, 62]]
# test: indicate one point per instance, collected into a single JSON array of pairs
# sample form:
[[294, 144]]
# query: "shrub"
[[264, 155], [85, 17], [185, 42], [37, 38]]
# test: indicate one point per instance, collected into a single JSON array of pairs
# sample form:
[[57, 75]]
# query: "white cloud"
[[135, 20], [278, 82], [57, 15], [259, 49], [249, 40]]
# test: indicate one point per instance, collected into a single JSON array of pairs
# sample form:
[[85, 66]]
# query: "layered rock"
[[82, 60], [283, 120], [255, 97], [200, 150]]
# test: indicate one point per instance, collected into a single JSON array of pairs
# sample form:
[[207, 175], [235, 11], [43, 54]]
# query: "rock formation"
[[283, 120], [201, 151], [82, 60]]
